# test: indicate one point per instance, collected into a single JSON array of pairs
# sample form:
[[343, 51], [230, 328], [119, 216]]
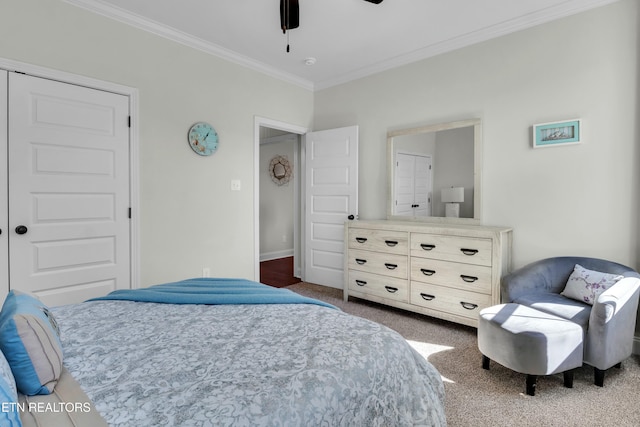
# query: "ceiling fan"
[[290, 15]]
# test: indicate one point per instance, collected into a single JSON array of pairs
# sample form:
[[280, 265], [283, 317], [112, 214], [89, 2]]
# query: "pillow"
[[29, 340], [586, 285], [9, 414]]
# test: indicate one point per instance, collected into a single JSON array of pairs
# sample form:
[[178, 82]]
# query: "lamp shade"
[[452, 195]]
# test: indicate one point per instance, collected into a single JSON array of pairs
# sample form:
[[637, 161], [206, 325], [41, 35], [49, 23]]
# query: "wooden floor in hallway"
[[278, 272]]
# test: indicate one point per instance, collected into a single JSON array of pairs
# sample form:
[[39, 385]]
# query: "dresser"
[[441, 270]]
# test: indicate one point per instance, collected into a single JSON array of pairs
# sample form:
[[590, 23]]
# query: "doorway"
[[279, 175], [327, 196], [68, 193], [273, 130]]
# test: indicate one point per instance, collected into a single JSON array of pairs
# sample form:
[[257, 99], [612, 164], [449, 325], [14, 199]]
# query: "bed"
[[230, 352]]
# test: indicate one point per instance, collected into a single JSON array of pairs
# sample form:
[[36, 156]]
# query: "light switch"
[[235, 185]]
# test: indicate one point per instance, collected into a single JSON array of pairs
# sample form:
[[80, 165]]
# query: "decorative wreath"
[[280, 170]]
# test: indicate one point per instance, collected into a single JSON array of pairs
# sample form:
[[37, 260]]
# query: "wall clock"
[[203, 138]]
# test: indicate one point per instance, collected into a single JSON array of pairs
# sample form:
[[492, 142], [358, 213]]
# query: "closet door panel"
[[4, 221], [68, 190]]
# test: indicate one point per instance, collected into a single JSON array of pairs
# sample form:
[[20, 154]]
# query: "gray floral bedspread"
[[148, 364]]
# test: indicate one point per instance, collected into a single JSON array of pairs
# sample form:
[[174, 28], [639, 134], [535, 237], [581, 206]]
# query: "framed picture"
[[556, 133]]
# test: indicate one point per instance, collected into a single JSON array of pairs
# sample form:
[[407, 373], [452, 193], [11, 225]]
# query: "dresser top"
[[427, 227]]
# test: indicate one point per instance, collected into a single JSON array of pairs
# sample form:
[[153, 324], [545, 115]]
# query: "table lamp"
[[452, 197]]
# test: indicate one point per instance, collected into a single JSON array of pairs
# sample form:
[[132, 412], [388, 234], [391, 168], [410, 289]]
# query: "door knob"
[[351, 217], [21, 229]]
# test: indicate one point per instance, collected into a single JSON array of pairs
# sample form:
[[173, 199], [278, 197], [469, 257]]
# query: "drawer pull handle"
[[361, 261], [469, 252], [360, 282], [361, 239], [427, 297], [391, 266], [391, 243], [468, 279], [427, 247], [468, 305], [427, 272], [391, 289]]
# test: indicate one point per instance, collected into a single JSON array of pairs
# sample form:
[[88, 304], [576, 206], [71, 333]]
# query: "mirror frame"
[[477, 170]]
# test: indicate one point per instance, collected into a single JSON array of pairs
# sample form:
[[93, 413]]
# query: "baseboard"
[[268, 256], [636, 345]]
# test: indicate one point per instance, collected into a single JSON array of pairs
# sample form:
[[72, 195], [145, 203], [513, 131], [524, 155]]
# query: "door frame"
[[134, 158], [290, 128], [4, 187]]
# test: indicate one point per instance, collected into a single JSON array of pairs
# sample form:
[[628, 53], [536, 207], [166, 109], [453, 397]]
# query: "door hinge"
[[129, 213], [129, 121]]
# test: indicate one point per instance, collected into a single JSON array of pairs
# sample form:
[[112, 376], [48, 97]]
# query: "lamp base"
[[452, 210]]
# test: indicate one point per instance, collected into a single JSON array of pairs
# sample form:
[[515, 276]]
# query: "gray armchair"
[[608, 325]]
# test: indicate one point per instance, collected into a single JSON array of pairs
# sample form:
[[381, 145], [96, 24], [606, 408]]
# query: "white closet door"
[[422, 186], [404, 183], [413, 185], [68, 190], [4, 210]]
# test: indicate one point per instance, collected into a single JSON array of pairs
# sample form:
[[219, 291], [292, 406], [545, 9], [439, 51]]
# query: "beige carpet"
[[476, 397]]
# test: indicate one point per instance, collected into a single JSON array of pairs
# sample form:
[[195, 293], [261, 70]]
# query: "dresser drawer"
[[379, 263], [392, 242], [386, 287], [474, 278], [449, 300], [467, 250]]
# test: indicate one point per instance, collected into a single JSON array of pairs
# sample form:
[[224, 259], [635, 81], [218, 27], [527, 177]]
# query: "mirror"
[[434, 172]]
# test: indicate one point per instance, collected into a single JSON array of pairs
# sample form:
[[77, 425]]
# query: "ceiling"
[[349, 39]]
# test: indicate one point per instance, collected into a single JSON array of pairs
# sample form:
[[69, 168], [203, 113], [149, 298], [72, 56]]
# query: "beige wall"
[[581, 199], [578, 199], [190, 218]]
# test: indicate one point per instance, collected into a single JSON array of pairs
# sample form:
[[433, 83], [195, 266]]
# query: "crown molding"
[[562, 10], [126, 17]]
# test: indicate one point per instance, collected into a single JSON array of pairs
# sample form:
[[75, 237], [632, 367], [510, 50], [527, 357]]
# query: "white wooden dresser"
[[441, 270]]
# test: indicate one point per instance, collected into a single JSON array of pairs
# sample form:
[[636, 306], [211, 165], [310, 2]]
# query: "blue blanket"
[[212, 291]]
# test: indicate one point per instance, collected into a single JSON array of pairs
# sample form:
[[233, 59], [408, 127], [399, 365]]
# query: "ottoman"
[[529, 341]]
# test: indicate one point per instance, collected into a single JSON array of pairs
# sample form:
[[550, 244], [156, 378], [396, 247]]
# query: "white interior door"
[[413, 185], [331, 196], [404, 183], [4, 206], [69, 203], [422, 186]]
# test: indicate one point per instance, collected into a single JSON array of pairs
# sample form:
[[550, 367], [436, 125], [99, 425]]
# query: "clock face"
[[203, 139]]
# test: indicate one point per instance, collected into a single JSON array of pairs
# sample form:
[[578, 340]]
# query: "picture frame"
[[553, 134]]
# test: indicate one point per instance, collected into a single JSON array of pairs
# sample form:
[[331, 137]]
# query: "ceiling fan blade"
[[289, 15]]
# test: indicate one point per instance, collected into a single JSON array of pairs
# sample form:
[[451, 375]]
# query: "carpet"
[[477, 397]]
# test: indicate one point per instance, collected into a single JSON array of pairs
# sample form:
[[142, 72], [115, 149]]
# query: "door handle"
[[21, 229], [351, 217]]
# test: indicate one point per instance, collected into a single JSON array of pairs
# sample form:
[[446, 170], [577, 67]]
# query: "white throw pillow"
[[585, 285]]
